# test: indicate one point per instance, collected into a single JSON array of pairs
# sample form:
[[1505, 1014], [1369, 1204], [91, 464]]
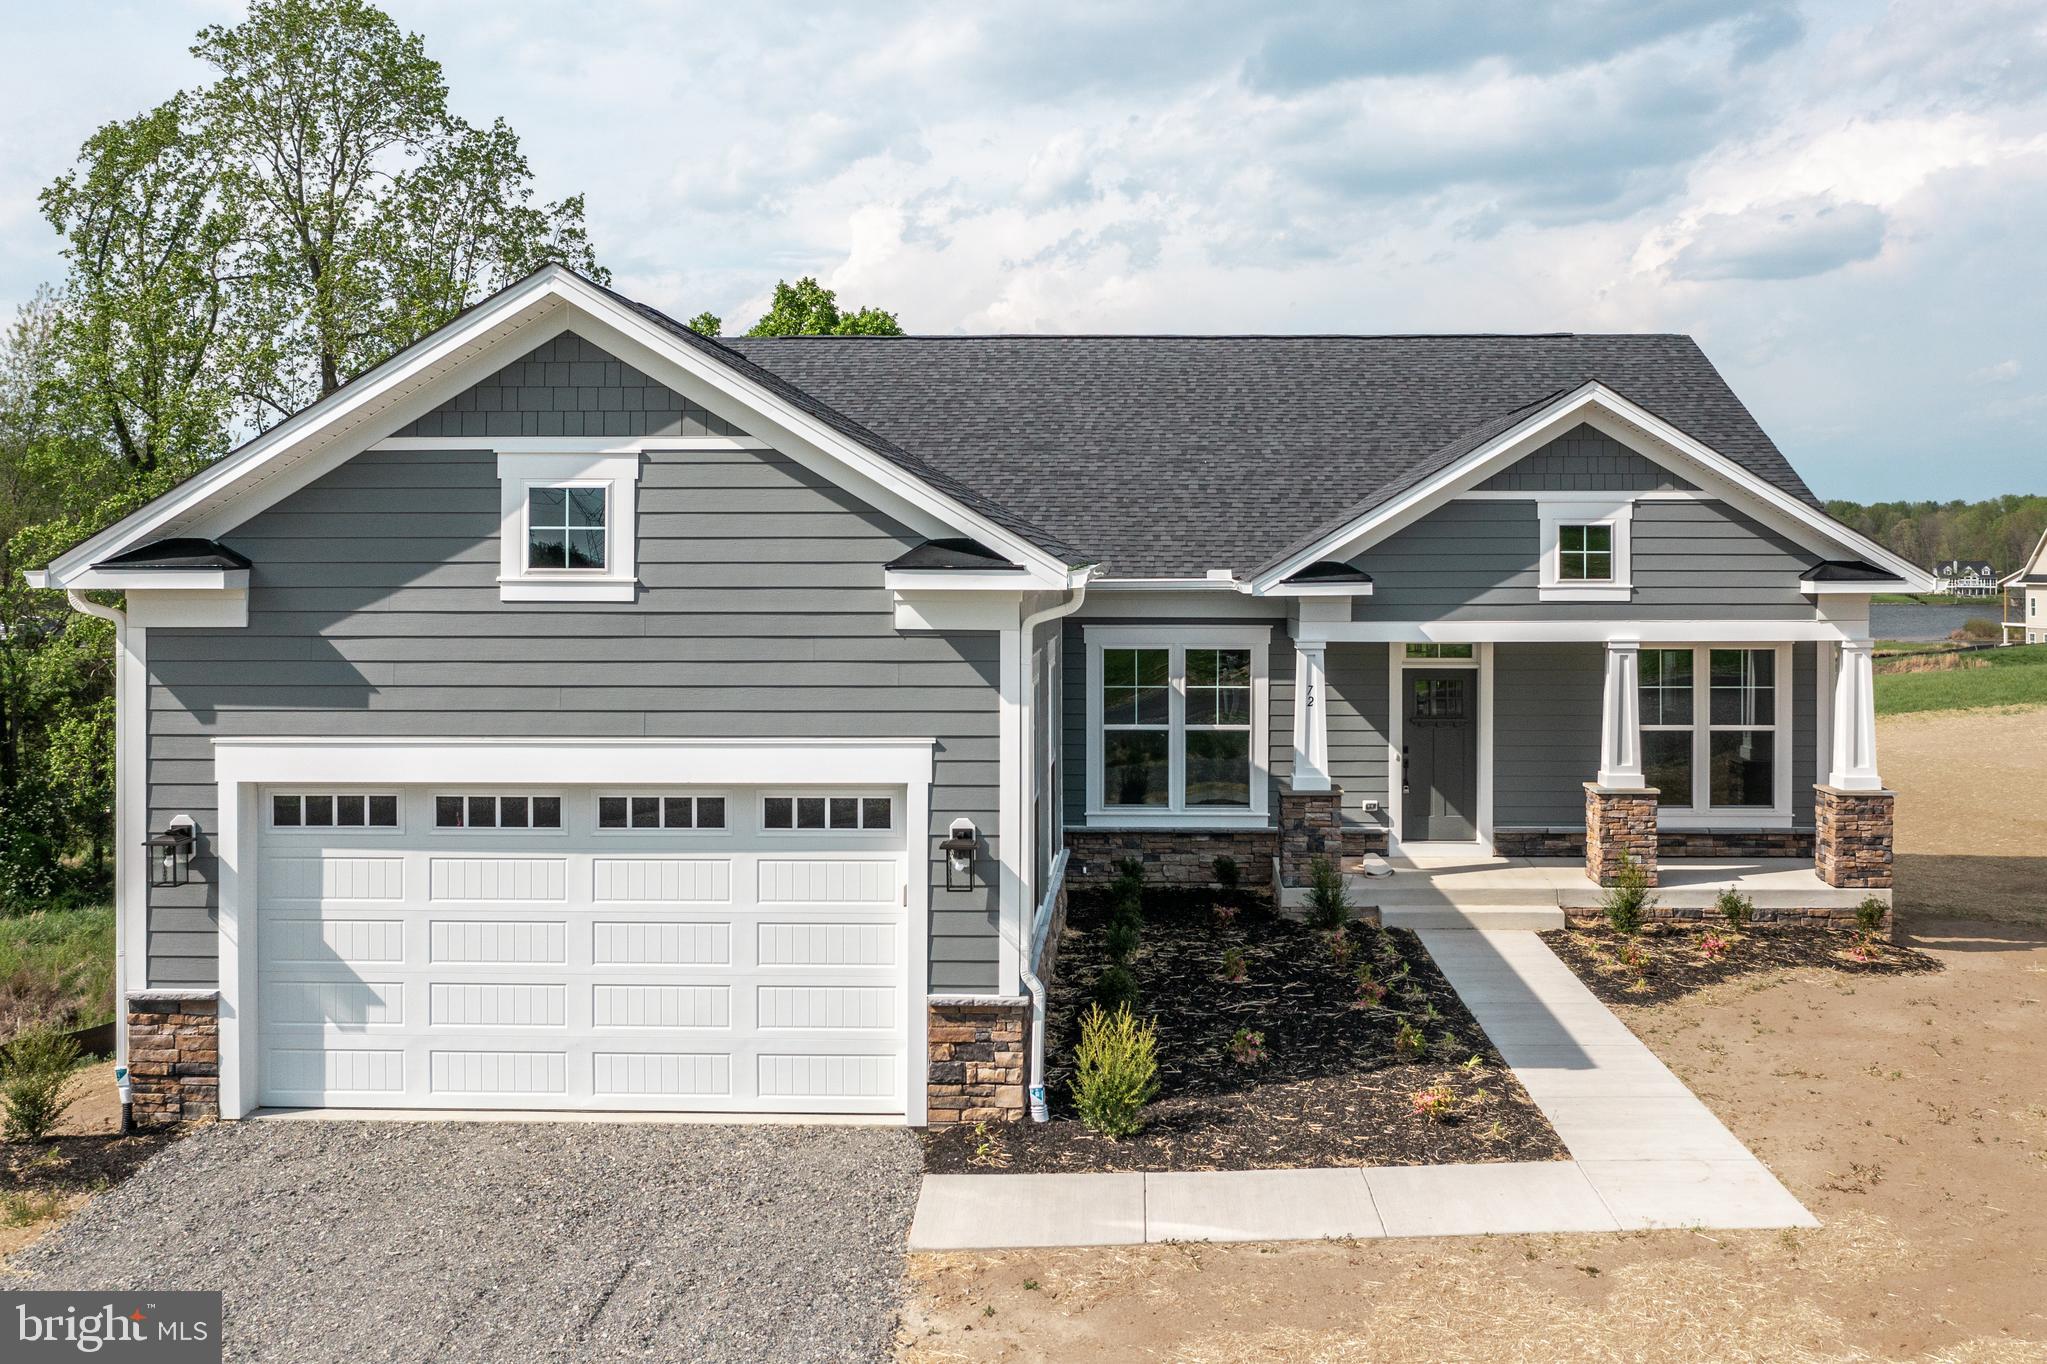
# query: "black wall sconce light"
[[170, 853], [959, 855]]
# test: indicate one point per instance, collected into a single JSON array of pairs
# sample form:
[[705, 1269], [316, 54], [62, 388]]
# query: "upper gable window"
[[569, 526], [1585, 550]]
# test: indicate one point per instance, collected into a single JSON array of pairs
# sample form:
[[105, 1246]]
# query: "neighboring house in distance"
[[575, 712], [2025, 599], [1965, 578]]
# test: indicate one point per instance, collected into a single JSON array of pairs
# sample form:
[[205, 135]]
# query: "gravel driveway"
[[500, 1241]]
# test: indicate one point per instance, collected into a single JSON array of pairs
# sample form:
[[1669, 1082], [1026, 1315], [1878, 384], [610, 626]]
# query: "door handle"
[[1404, 787]]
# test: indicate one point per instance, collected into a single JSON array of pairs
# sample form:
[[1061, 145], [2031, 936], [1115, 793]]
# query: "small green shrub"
[[1869, 916], [1737, 909], [1247, 1048], [1408, 1042], [35, 1081], [1328, 901], [1437, 1103], [1129, 871], [1115, 1072], [1116, 987], [1228, 874], [1627, 900], [1234, 970], [1121, 939]]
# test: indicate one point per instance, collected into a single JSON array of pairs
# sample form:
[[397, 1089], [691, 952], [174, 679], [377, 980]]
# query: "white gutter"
[[1027, 774], [123, 721], [1040, 927]]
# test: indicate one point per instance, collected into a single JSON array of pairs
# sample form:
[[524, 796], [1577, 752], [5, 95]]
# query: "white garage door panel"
[[737, 971]]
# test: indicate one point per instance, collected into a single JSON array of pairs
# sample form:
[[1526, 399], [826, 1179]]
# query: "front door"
[[1439, 751]]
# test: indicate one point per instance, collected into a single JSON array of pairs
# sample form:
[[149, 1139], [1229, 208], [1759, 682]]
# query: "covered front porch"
[[1520, 766]]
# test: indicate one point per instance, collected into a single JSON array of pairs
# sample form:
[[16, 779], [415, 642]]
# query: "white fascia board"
[[155, 579], [959, 610], [323, 428], [1319, 590], [1846, 589], [570, 445], [1573, 631], [172, 608], [1168, 585], [728, 762], [956, 580], [1590, 402], [718, 381]]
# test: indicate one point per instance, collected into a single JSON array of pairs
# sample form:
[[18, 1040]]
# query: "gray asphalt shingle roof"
[[1172, 455]]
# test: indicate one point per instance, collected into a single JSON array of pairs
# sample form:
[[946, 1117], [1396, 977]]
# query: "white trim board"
[[1397, 662], [536, 309], [1579, 631], [1633, 426]]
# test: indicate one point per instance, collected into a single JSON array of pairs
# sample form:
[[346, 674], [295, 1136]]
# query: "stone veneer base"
[[1670, 843], [1310, 826], [174, 1056], [977, 1053], [1852, 836], [1186, 857], [1839, 918], [1619, 820]]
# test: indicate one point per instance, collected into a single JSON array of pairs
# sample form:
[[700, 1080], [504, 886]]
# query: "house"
[[1965, 578], [575, 712], [2025, 599]]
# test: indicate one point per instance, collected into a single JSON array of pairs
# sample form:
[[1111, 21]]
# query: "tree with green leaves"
[[371, 214], [807, 308]]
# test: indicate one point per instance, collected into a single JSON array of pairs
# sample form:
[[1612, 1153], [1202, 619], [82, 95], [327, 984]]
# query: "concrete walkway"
[[1645, 1152]]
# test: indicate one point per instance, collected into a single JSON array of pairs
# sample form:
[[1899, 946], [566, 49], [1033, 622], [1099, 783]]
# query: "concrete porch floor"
[[1452, 890]]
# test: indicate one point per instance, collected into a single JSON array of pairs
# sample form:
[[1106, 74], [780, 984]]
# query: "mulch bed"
[[66, 1165], [1330, 1091], [1675, 960]]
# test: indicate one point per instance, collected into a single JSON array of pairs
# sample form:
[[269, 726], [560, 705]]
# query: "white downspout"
[[123, 718], [1026, 763]]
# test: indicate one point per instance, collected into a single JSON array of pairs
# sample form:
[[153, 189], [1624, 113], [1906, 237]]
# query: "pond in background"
[[1914, 621]]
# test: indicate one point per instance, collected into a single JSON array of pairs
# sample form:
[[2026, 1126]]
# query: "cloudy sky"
[[1845, 203]]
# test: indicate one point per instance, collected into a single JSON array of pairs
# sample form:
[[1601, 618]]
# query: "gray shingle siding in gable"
[[374, 611], [569, 387], [1476, 560], [1585, 459]]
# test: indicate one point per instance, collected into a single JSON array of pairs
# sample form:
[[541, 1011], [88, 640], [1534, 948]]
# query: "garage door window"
[[333, 811], [628, 812], [498, 812], [847, 812]]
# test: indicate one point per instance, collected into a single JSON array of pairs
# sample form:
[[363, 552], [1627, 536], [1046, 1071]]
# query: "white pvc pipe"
[[123, 705], [1041, 924]]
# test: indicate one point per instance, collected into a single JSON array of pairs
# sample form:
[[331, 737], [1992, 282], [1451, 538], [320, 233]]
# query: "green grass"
[[2011, 677], [57, 962]]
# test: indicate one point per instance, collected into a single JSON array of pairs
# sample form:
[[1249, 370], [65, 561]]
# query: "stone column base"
[[978, 1054], [1619, 820], [174, 1055], [1310, 826], [1852, 836]]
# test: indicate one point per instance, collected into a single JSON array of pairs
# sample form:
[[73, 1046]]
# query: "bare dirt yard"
[[1908, 1112]]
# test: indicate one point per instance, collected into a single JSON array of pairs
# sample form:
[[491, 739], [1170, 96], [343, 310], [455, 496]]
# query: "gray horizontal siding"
[[1478, 560], [767, 618], [1358, 722], [1546, 700], [1546, 718], [569, 387], [1585, 459]]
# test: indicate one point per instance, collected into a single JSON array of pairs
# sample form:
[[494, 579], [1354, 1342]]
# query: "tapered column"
[[1620, 717], [1311, 719], [1852, 761]]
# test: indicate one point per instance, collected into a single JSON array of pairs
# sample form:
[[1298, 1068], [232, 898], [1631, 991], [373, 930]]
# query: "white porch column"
[[1311, 719], [1620, 717], [1852, 760]]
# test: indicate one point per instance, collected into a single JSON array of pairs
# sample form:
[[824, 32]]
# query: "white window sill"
[[1178, 819], [593, 588], [1580, 592]]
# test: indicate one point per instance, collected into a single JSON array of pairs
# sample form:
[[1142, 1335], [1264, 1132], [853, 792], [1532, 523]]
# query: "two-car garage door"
[[657, 949]]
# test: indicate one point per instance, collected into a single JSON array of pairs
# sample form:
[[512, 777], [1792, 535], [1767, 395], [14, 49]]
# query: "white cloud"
[[1839, 201]]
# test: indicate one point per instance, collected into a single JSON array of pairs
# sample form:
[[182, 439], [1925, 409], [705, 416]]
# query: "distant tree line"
[[2003, 530]]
